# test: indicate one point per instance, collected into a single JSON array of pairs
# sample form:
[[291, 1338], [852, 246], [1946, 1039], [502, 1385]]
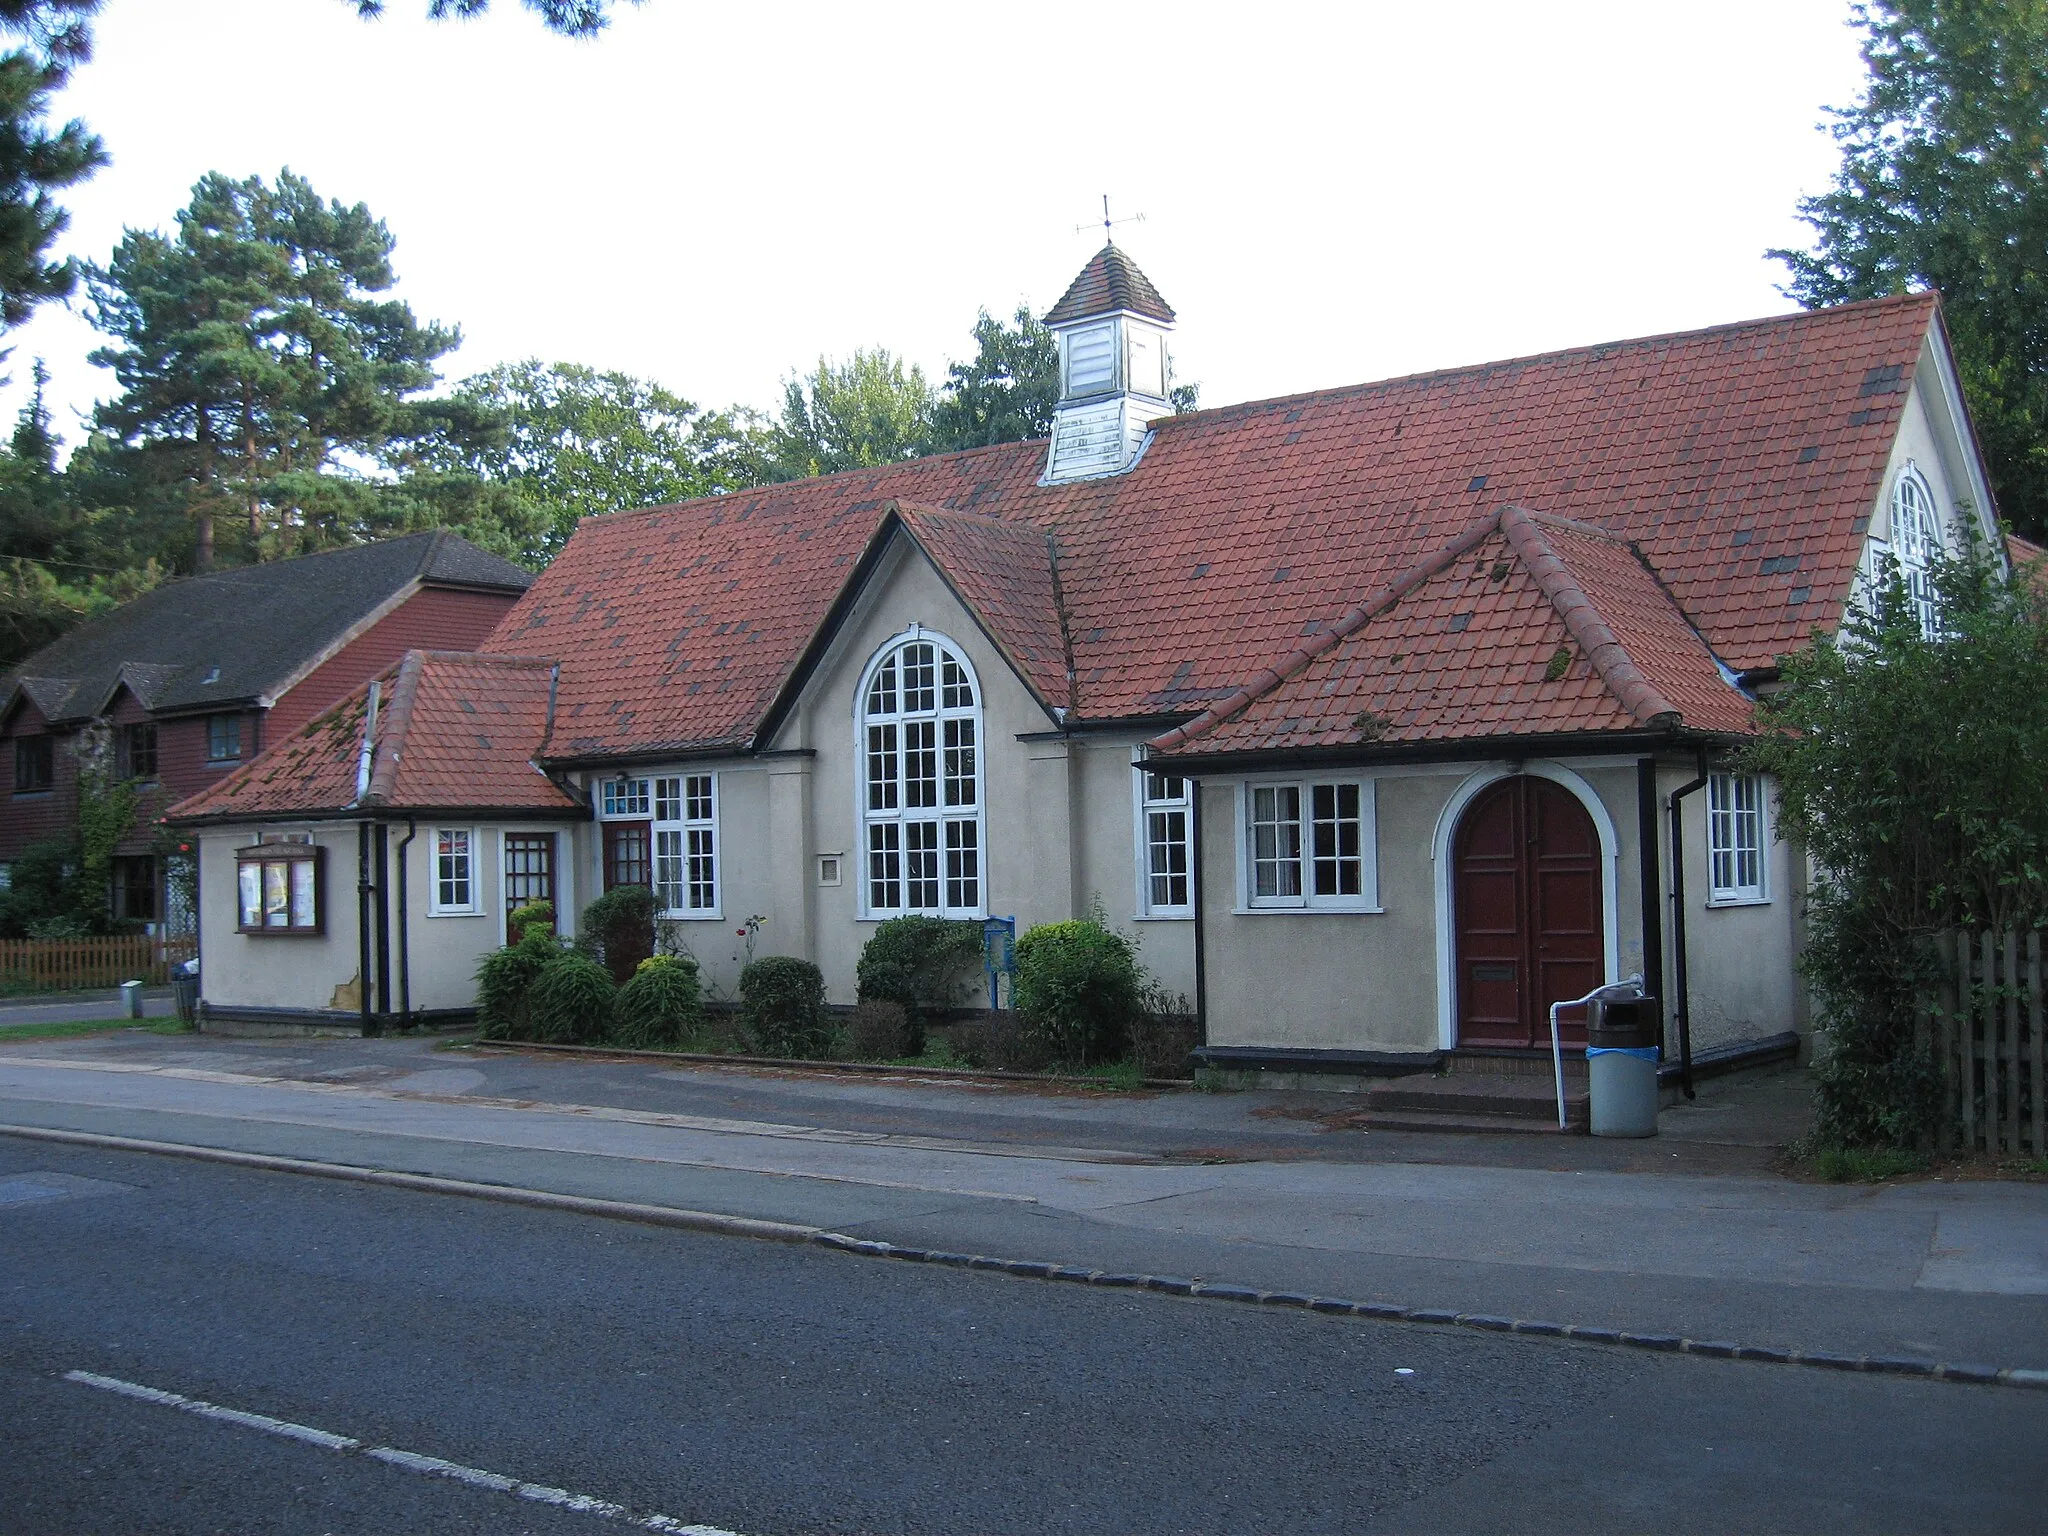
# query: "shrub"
[[1078, 988], [921, 965], [571, 1000], [661, 1008], [618, 930], [1164, 1034], [1908, 764], [880, 1031], [504, 983], [533, 915], [782, 1004], [1003, 1043]]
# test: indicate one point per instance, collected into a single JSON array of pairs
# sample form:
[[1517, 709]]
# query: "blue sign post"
[[998, 954]]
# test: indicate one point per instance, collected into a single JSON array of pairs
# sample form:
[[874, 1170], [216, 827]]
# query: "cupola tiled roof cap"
[[1110, 282]]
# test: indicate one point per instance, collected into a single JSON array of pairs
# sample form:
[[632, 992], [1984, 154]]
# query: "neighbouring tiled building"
[[198, 676], [1386, 715]]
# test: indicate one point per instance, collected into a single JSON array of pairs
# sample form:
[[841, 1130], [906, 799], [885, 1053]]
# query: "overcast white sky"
[[713, 194]]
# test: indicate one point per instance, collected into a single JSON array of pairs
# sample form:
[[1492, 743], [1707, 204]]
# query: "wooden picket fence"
[[1986, 1034], [72, 965]]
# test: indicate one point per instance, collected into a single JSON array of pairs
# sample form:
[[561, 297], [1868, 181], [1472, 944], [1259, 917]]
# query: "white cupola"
[[1112, 327]]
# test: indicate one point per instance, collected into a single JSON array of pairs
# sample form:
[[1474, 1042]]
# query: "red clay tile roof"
[[1521, 625], [1740, 461], [1110, 282], [1004, 573], [456, 732]]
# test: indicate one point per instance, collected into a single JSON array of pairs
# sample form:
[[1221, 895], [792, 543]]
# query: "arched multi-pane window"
[[1916, 539], [919, 743]]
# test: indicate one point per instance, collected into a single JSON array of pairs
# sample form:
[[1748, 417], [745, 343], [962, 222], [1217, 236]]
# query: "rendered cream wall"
[[1369, 981], [240, 970], [1027, 786]]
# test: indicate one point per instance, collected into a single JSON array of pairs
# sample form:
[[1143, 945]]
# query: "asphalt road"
[[771, 1390]]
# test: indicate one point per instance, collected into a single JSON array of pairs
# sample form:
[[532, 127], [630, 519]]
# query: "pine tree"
[[36, 161], [1944, 185], [262, 366]]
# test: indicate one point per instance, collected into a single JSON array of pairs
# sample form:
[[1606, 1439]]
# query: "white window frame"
[[1368, 897], [619, 794], [948, 822], [1144, 808], [436, 907], [1723, 840], [1915, 543], [684, 820]]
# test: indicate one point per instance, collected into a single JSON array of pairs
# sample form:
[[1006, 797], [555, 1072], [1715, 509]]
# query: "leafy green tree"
[[264, 370], [872, 409], [1006, 393], [578, 442], [1908, 768], [36, 160], [1944, 184]]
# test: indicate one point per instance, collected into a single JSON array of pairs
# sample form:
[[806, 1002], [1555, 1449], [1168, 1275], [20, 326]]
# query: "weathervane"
[[1109, 224]]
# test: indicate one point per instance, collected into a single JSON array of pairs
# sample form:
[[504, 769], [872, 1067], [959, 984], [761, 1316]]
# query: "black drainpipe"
[[1684, 992], [1652, 879], [363, 925], [1195, 884], [383, 857], [405, 929]]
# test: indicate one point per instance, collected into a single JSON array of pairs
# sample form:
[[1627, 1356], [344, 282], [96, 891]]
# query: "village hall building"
[[1383, 716]]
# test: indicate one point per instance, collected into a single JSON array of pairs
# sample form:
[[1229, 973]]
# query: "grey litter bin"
[[1622, 1036], [185, 989]]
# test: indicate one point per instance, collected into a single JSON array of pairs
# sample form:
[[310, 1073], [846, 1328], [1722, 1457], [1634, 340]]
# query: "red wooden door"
[[1526, 898]]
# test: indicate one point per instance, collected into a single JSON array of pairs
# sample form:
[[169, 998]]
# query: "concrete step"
[[1509, 1125], [1476, 1093]]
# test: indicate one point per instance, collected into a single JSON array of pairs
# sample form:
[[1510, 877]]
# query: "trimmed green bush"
[[533, 915], [782, 1004], [571, 1000], [1079, 989], [879, 1031], [662, 1007], [504, 983], [921, 964], [618, 930]]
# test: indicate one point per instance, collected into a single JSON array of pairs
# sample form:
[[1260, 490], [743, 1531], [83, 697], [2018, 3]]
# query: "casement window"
[[455, 891], [626, 809], [1917, 541], [223, 738], [282, 889], [686, 845], [1310, 845], [529, 864], [133, 889], [135, 752], [624, 799], [919, 730], [35, 765], [1165, 865], [1735, 839]]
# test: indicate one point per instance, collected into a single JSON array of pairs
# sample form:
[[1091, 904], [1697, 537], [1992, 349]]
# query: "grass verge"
[[89, 1027]]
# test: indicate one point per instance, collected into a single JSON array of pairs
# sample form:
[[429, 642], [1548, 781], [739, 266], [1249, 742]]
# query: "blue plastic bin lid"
[[1641, 1052]]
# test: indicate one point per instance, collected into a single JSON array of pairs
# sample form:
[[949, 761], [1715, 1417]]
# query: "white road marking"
[[410, 1461]]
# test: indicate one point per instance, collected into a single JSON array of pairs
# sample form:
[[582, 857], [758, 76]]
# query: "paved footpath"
[[1685, 1234]]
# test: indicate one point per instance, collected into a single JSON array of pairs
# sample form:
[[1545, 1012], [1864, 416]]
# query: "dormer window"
[[1091, 360], [1917, 538]]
